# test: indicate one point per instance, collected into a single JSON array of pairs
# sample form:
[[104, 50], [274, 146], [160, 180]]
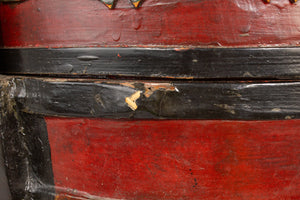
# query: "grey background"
[[4, 190]]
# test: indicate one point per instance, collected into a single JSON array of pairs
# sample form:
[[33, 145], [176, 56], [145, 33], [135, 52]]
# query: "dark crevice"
[[145, 78]]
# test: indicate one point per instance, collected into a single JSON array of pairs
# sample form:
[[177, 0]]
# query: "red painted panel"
[[177, 159], [56, 23]]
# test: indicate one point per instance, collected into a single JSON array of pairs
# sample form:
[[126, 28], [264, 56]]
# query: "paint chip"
[[131, 101], [276, 110], [150, 88]]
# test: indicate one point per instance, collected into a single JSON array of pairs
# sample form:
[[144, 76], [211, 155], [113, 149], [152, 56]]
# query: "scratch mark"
[[87, 57], [245, 35], [160, 103], [247, 74], [99, 100], [226, 107]]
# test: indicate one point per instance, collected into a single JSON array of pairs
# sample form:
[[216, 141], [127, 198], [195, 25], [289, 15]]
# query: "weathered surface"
[[158, 100], [136, 158], [176, 159], [59, 23], [203, 63], [25, 148]]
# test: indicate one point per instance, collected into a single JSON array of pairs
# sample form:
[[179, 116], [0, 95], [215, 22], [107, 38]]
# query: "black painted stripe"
[[159, 100], [198, 63], [27, 155]]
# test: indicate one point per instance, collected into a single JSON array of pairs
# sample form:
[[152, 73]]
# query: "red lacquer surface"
[[57, 23], [177, 159]]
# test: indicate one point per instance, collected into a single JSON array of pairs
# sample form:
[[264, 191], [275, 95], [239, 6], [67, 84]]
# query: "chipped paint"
[[276, 110], [150, 88], [131, 101], [127, 84], [183, 48], [288, 117]]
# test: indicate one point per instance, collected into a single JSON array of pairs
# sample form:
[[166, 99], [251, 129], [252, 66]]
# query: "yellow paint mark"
[[131, 101], [109, 5], [136, 4]]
